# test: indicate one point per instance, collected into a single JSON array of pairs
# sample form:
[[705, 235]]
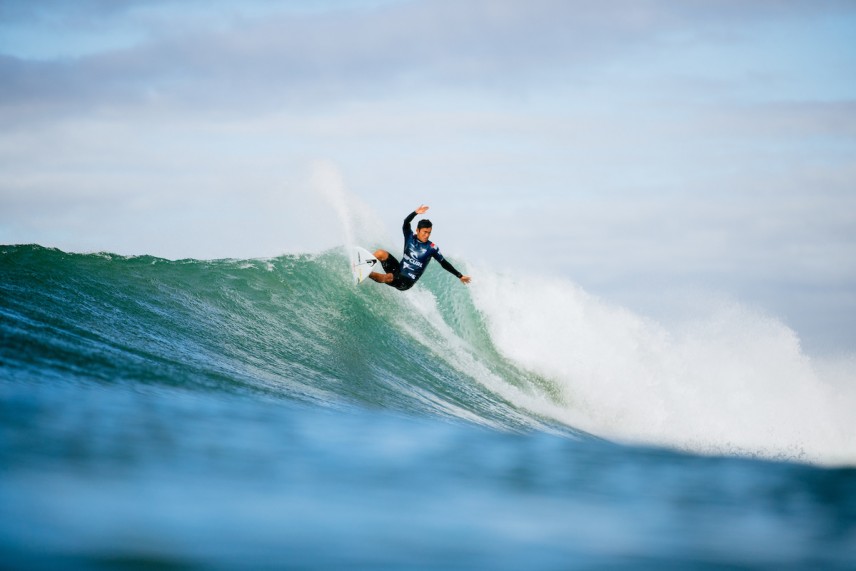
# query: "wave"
[[508, 353], [734, 381]]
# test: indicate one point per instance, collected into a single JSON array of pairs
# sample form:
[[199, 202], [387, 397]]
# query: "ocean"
[[269, 414]]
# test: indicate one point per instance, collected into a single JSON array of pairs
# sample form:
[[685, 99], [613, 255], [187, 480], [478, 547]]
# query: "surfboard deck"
[[363, 263]]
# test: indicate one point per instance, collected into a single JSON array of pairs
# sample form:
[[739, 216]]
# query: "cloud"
[[191, 58], [632, 143]]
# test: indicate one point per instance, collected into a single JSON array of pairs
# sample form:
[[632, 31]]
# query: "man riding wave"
[[418, 251]]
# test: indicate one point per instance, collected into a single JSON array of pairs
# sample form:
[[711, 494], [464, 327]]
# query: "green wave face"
[[292, 327]]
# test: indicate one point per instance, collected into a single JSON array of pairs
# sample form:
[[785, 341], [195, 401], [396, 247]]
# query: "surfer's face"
[[422, 234]]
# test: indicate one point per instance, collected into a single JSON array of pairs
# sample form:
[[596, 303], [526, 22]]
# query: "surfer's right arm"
[[406, 227]]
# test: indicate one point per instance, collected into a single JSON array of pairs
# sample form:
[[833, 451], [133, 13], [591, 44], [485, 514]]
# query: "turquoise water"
[[269, 414]]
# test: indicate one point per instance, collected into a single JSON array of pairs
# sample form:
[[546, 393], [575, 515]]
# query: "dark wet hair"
[[424, 224]]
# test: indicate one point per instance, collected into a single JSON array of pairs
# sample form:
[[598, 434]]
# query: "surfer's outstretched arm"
[[406, 226], [451, 269]]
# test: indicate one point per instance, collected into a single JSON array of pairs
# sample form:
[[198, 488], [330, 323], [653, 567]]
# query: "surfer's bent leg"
[[382, 278], [390, 267], [388, 261]]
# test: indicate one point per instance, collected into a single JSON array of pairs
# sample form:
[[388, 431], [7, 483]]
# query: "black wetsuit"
[[416, 257]]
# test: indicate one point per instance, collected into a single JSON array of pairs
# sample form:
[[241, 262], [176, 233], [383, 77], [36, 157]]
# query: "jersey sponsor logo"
[[414, 253], [416, 257]]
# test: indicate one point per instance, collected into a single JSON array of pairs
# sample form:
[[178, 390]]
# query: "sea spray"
[[357, 223], [735, 382]]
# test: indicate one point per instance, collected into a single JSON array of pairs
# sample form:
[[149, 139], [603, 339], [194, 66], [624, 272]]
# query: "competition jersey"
[[417, 254]]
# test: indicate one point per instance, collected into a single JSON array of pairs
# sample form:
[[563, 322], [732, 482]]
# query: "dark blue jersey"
[[417, 254]]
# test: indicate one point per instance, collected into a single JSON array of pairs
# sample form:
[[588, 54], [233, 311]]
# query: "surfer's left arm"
[[451, 269]]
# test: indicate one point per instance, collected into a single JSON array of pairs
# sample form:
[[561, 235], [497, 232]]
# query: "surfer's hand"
[[422, 209], [466, 279]]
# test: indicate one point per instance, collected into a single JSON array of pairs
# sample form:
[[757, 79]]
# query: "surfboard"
[[363, 263]]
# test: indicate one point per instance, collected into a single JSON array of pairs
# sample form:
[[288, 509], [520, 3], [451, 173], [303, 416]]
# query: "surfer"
[[418, 251]]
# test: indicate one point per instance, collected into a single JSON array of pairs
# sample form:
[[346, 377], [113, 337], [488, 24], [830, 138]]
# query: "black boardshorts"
[[392, 266]]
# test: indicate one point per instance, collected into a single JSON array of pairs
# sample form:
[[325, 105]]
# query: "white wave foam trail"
[[735, 382]]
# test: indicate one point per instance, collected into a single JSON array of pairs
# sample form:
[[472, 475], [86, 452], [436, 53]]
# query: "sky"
[[662, 154]]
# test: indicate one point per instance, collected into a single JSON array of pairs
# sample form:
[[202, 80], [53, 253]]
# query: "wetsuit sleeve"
[[451, 269], [406, 227], [446, 265]]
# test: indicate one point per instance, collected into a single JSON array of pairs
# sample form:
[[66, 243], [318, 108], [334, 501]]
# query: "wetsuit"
[[415, 259]]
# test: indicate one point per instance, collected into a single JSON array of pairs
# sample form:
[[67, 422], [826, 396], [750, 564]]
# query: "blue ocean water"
[[267, 414]]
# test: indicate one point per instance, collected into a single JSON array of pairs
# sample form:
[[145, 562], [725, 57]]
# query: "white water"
[[733, 382]]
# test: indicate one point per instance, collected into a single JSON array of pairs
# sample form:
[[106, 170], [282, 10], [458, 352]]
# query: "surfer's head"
[[423, 230]]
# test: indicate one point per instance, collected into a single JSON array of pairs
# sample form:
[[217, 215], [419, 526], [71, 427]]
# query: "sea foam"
[[735, 381]]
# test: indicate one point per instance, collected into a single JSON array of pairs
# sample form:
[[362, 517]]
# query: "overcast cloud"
[[643, 149]]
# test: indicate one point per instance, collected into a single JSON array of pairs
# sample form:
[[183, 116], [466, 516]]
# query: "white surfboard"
[[363, 263]]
